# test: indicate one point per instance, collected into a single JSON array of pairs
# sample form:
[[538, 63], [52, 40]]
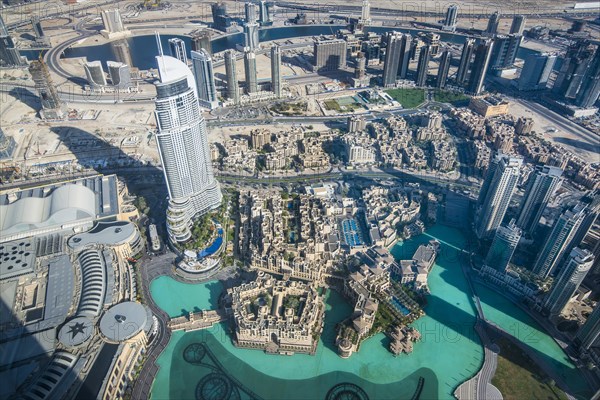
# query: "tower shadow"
[[106, 155]]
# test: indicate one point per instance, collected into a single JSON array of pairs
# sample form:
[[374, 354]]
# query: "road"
[[565, 125]]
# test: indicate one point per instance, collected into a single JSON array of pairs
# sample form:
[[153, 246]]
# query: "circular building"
[[125, 320], [76, 331]]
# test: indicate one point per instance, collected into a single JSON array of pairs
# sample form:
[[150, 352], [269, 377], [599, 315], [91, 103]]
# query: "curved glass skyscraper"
[[183, 149]]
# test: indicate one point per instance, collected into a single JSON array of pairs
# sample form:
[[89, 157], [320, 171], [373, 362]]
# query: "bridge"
[[195, 321]]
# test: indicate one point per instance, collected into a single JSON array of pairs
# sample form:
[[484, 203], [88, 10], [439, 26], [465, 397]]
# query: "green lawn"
[[454, 98], [409, 98], [518, 377], [344, 104], [332, 105]]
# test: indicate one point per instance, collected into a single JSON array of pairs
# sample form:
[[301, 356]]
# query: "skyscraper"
[[503, 246], [442, 75], [177, 47], [423, 66], [120, 75], [541, 187], [451, 18], [36, 25], [183, 149], [480, 67], [251, 12], [221, 20], [7, 146], [113, 23], [465, 61], [518, 24], [397, 57], [568, 280], [202, 41], [492, 25], [559, 241], [330, 55], [121, 52], [536, 71], [573, 70], [365, 16], [250, 70], [588, 334], [95, 75], [202, 66], [52, 105], [505, 51], [251, 38], [233, 90], [276, 70], [265, 13], [496, 193], [590, 87], [9, 55]]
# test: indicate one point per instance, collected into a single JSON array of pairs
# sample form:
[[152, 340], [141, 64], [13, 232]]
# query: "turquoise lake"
[[205, 364]]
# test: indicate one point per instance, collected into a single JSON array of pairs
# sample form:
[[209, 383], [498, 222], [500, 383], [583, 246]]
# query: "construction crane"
[[150, 4]]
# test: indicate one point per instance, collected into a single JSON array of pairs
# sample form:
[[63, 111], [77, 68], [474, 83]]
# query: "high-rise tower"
[[177, 47], [276, 70], [233, 89], [9, 55], [265, 13], [462, 74], [496, 193], [541, 187], [251, 12], [451, 18], [536, 71], [559, 241], [202, 41], [202, 66], [36, 24], [95, 75], [365, 16], [503, 246], [52, 105], [574, 69], [505, 51], [120, 75], [423, 66], [590, 87], [442, 75], [577, 266], [588, 334], [518, 25], [397, 57], [183, 149], [492, 25], [250, 70], [121, 52], [330, 54], [480, 66], [112, 20], [251, 38]]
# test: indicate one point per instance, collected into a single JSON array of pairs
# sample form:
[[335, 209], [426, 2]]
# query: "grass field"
[[518, 377], [457, 99], [343, 104], [409, 98]]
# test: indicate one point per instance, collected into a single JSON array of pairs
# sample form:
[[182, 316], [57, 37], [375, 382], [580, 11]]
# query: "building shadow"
[[23, 358], [26, 96], [578, 144], [107, 156]]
